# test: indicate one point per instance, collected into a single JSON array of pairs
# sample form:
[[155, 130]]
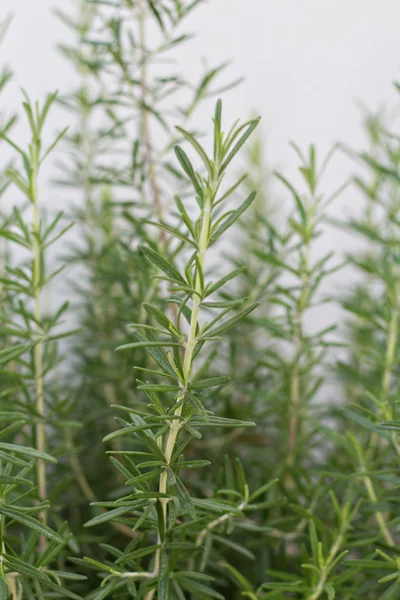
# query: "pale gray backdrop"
[[306, 62]]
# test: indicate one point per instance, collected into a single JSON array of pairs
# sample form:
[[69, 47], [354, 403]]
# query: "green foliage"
[[28, 387], [202, 432], [175, 413]]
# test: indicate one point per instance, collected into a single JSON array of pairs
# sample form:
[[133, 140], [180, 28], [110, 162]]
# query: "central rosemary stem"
[[38, 350], [187, 367]]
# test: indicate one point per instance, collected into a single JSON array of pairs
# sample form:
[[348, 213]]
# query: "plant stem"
[[379, 515], [187, 366], [215, 523], [13, 586], [38, 353], [288, 537]]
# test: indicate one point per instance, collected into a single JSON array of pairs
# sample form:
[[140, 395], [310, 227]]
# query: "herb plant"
[[30, 405], [177, 422]]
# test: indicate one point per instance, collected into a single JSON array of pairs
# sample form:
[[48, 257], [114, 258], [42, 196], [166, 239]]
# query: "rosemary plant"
[[191, 500], [373, 308], [30, 405], [176, 411], [119, 162]]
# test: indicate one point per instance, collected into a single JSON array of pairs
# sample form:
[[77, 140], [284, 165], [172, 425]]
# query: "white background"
[[307, 63]]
